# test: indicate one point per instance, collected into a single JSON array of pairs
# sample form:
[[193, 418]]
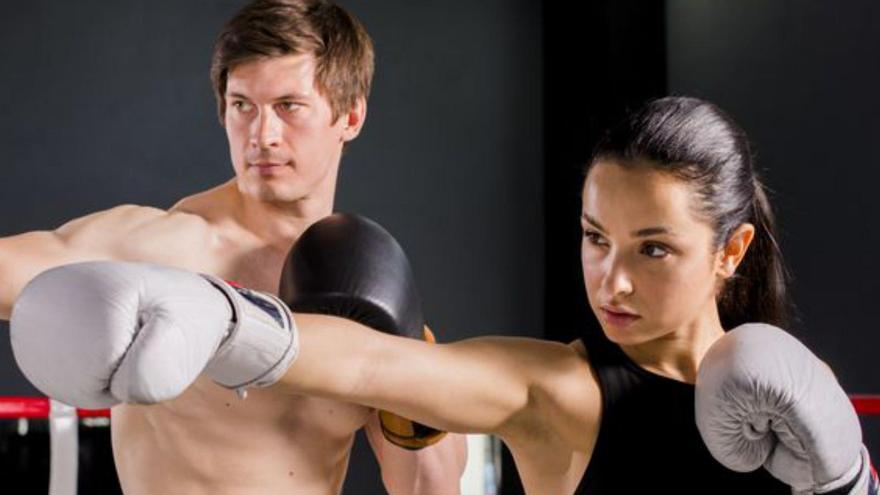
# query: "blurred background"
[[481, 118]]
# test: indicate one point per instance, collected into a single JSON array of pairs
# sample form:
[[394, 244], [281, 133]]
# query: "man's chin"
[[266, 193]]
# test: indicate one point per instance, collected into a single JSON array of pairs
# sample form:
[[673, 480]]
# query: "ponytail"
[[757, 292]]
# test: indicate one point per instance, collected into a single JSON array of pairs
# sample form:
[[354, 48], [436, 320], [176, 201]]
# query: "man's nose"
[[267, 130]]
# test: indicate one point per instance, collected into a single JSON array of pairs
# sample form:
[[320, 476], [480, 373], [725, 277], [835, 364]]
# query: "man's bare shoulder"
[[142, 233], [128, 218], [213, 205]]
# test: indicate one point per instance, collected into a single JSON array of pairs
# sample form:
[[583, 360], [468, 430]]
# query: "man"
[[291, 79]]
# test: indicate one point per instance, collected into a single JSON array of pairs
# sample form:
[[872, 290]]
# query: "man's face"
[[282, 140]]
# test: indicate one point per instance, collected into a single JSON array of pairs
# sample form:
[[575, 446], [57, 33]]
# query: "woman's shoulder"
[[567, 395], [579, 348]]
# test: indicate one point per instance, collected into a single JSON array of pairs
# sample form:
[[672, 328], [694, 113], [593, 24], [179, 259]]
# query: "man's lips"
[[266, 168]]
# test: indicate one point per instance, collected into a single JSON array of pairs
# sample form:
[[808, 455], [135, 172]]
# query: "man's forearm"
[[6, 298], [338, 362], [434, 470], [8, 287], [24, 256]]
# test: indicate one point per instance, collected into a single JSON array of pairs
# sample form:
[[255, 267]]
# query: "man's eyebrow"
[[291, 96], [646, 232], [288, 96]]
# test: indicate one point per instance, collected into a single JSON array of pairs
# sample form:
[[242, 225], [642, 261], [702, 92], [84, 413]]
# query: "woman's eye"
[[655, 250], [595, 238]]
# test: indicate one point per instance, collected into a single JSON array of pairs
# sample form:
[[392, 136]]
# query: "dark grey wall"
[[108, 103], [105, 104], [801, 77]]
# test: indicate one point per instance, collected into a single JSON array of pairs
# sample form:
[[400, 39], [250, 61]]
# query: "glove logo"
[[260, 302]]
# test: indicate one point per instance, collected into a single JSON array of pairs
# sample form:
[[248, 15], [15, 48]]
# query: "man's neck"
[[279, 224]]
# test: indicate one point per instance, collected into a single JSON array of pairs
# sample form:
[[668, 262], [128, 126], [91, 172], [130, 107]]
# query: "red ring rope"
[[866, 405], [38, 407]]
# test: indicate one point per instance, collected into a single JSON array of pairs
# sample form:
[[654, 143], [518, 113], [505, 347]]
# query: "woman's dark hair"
[[698, 143]]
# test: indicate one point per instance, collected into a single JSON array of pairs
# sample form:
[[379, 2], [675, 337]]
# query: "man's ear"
[[354, 119], [735, 249]]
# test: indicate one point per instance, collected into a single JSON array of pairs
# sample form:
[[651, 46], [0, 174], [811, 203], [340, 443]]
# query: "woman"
[[679, 245]]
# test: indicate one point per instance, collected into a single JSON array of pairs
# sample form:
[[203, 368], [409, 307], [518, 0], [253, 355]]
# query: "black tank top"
[[648, 440]]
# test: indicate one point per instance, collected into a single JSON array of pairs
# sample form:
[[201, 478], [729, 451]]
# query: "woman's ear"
[[734, 250]]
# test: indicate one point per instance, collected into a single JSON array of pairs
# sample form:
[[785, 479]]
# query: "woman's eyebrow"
[[649, 231], [592, 221], [645, 232]]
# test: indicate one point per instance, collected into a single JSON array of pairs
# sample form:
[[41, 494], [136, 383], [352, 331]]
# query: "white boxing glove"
[[99, 333], [763, 399]]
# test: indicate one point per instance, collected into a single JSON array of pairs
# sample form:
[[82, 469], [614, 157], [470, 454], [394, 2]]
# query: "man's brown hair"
[[270, 28]]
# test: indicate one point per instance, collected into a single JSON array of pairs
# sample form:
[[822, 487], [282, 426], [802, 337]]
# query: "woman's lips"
[[618, 318]]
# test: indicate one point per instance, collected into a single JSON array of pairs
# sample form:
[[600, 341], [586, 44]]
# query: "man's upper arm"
[[93, 237]]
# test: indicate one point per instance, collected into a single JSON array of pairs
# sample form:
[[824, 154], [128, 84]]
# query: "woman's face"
[[648, 259]]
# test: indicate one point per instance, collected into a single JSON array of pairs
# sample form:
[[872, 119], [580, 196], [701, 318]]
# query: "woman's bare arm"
[[487, 385]]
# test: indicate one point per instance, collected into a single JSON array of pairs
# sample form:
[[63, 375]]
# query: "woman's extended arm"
[[486, 384]]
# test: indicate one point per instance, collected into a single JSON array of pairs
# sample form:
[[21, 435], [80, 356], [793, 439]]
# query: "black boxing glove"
[[349, 266]]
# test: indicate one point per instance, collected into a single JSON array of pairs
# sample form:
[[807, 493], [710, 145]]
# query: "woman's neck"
[[678, 354]]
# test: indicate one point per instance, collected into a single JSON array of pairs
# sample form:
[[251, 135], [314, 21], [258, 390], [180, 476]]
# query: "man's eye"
[[655, 250], [241, 106], [289, 106]]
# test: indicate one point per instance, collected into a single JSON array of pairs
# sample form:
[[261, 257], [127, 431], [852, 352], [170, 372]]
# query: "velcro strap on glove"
[[864, 481], [261, 342]]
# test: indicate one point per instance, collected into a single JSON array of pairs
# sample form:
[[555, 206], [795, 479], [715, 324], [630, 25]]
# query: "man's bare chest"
[[257, 268]]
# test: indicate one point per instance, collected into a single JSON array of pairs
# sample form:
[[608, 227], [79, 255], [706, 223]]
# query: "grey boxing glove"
[[99, 333], [763, 399]]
